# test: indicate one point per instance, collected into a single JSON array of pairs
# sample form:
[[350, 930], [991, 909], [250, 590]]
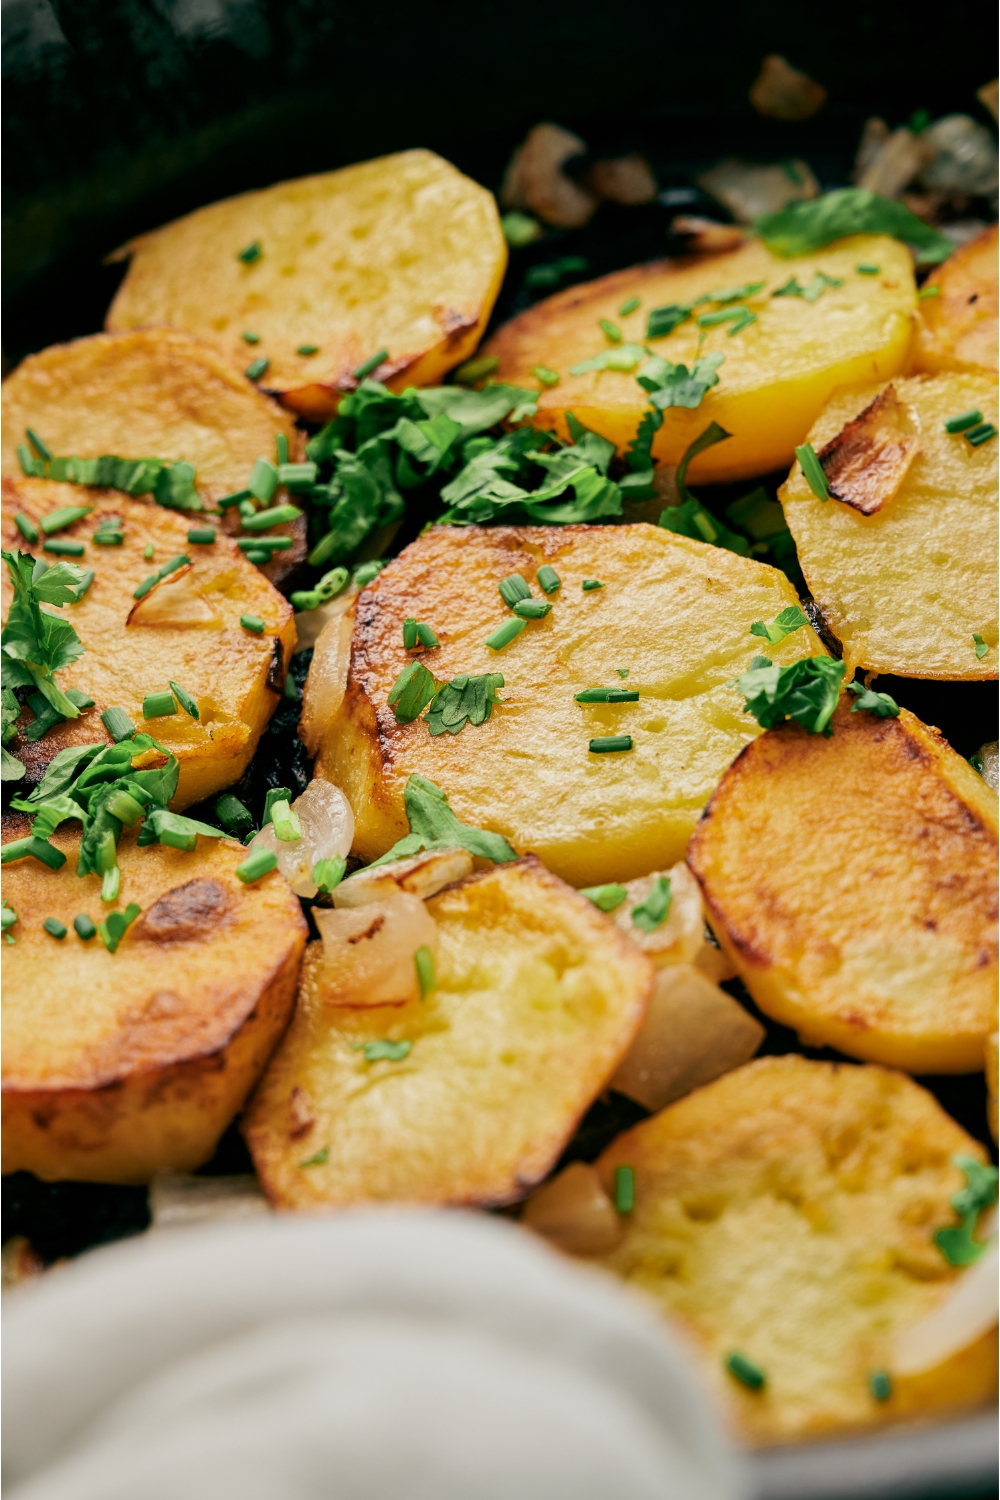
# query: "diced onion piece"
[[310, 623], [680, 935], [175, 603], [327, 680], [574, 1212], [963, 1316], [693, 1032], [714, 963], [368, 951], [422, 875], [327, 823], [989, 755]]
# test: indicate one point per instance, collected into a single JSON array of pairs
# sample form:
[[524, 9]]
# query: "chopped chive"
[[84, 927], [111, 882], [610, 744], [477, 369], [880, 1385], [532, 609], [409, 633], [624, 1189], [291, 690], [232, 814], [663, 320], [35, 848], [265, 544], [106, 536], [281, 449], [928, 291], [611, 331], [260, 863], [307, 349], [371, 364], [202, 536], [591, 583], [812, 470], [653, 912], [745, 1371], [257, 555], [148, 551], [622, 671], [185, 700], [383, 1051], [40, 448], [548, 579], [285, 822], [158, 705], [118, 724], [544, 375], [607, 695], [61, 548], [26, 526], [256, 368], [317, 1160], [116, 924], [981, 646], [423, 961], [425, 635], [273, 517], [30, 465], [605, 897], [867, 269], [512, 588], [250, 254], [507, 632], [628, 307], [965, 419], [328, 873], [981, 434], [55, 928], [253, 623], [147, 583], [235, 499], [250, 338]]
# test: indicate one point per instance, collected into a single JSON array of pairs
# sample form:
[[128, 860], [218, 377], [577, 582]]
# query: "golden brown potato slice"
[[402, 254], [673, 614], [778, 372], [907, 589], [786, 1213], [186, 630], [119, 1065], [958, 328], [852, 881], [536, 999]]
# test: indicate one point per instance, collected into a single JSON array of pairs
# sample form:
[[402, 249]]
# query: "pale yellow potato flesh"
[[777, 375], [120, 1065], [786, 1212], [234, 676], [537, 998], [148, 393], [853, 883], [403, 253], [904, 590], [674, 613], [957, 329]]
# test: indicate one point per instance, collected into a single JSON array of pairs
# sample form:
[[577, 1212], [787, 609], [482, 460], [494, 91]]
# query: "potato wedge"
[[187, 629], [852, 881], [403, 254], [905, 590], [537, 998], [672, 613], [778, 372], [958, 328], [119, 1065], [786, 1212]]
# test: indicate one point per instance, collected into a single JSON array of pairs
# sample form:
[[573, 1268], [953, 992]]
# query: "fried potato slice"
[[906, 589], [852, 881], [786, 1212], [187, 630], [778, 372], [537, 997], [403, 254], [672, 613], [867, 460], [958, 328], [119, 1065]]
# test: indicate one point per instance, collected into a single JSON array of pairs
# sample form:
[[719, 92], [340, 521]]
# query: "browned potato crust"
[[852, 881], [958, 329], [116, 1066]]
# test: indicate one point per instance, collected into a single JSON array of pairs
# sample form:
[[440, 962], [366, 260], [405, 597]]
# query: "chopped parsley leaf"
[[812, 469], [785, 623], [980, 646], [956, 1243], [879, 704], [433, 825], [605, 897], [464, 700], [653, 912], [806, 692], [411, 692], [383, 1051]]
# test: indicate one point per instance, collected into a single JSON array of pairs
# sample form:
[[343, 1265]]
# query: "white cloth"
[[364, 1356]]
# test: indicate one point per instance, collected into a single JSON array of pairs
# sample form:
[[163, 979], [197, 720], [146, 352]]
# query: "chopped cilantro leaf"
[[653, 912], [879, 704], [810, 224], [411, 692], [610, 330], [433, 825], [956, 1242], [628, 307], [981, 647], [807, 692], [464, 700], [382, 1051], [784, 623]]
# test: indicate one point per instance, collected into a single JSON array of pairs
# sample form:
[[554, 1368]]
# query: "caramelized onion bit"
[[368, 951], [868, 459], [963, 1316], [327, 680], [175, 603], [535, 179], [574, 1212], [679, 937], [422, 875], [327, 824]]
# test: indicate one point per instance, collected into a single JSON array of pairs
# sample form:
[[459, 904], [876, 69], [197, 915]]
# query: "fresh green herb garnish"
[[663, 320], [928, 291], [628, 307], [785, 623], [252, 252], [59, 547], [371, 364], [956, 1243], [8, 917], [589, 584], [880, 1384], [505, 633], [548, 579], [544, 375], [622, 671], [416, 633], [740, 317], [810, 224], [624, 1189], [260, 863], [234, 817], [317, 1160], [328, 873], [180, 561], [12, 769], [55, 928], [606, 695], [464, 700], [745, 1371], [250, 338], [532, 609], [170, 483], [812, 469], [328, 587], [605, 897], [676, 385], [477, 369], [411, 692], [35, 644], [879, 704], [807, 692], [58, 520], [813, 289], [980, 646], [253, 623], [866, 269], [84, 927], [653, 912], [116, 924], [158, 705], [148, 551], [285, 822], [520, 229], [26, 527], [610, 744], [622, 357], [118, 724], [307, 349], [513, 588], [433, 825], [610, 330], [964, 419], [981, 434], [690, 518], [423, 961], [257, 367], [383, 1051]]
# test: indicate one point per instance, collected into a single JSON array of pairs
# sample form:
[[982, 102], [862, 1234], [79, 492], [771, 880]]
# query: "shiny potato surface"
[[958, 329]]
